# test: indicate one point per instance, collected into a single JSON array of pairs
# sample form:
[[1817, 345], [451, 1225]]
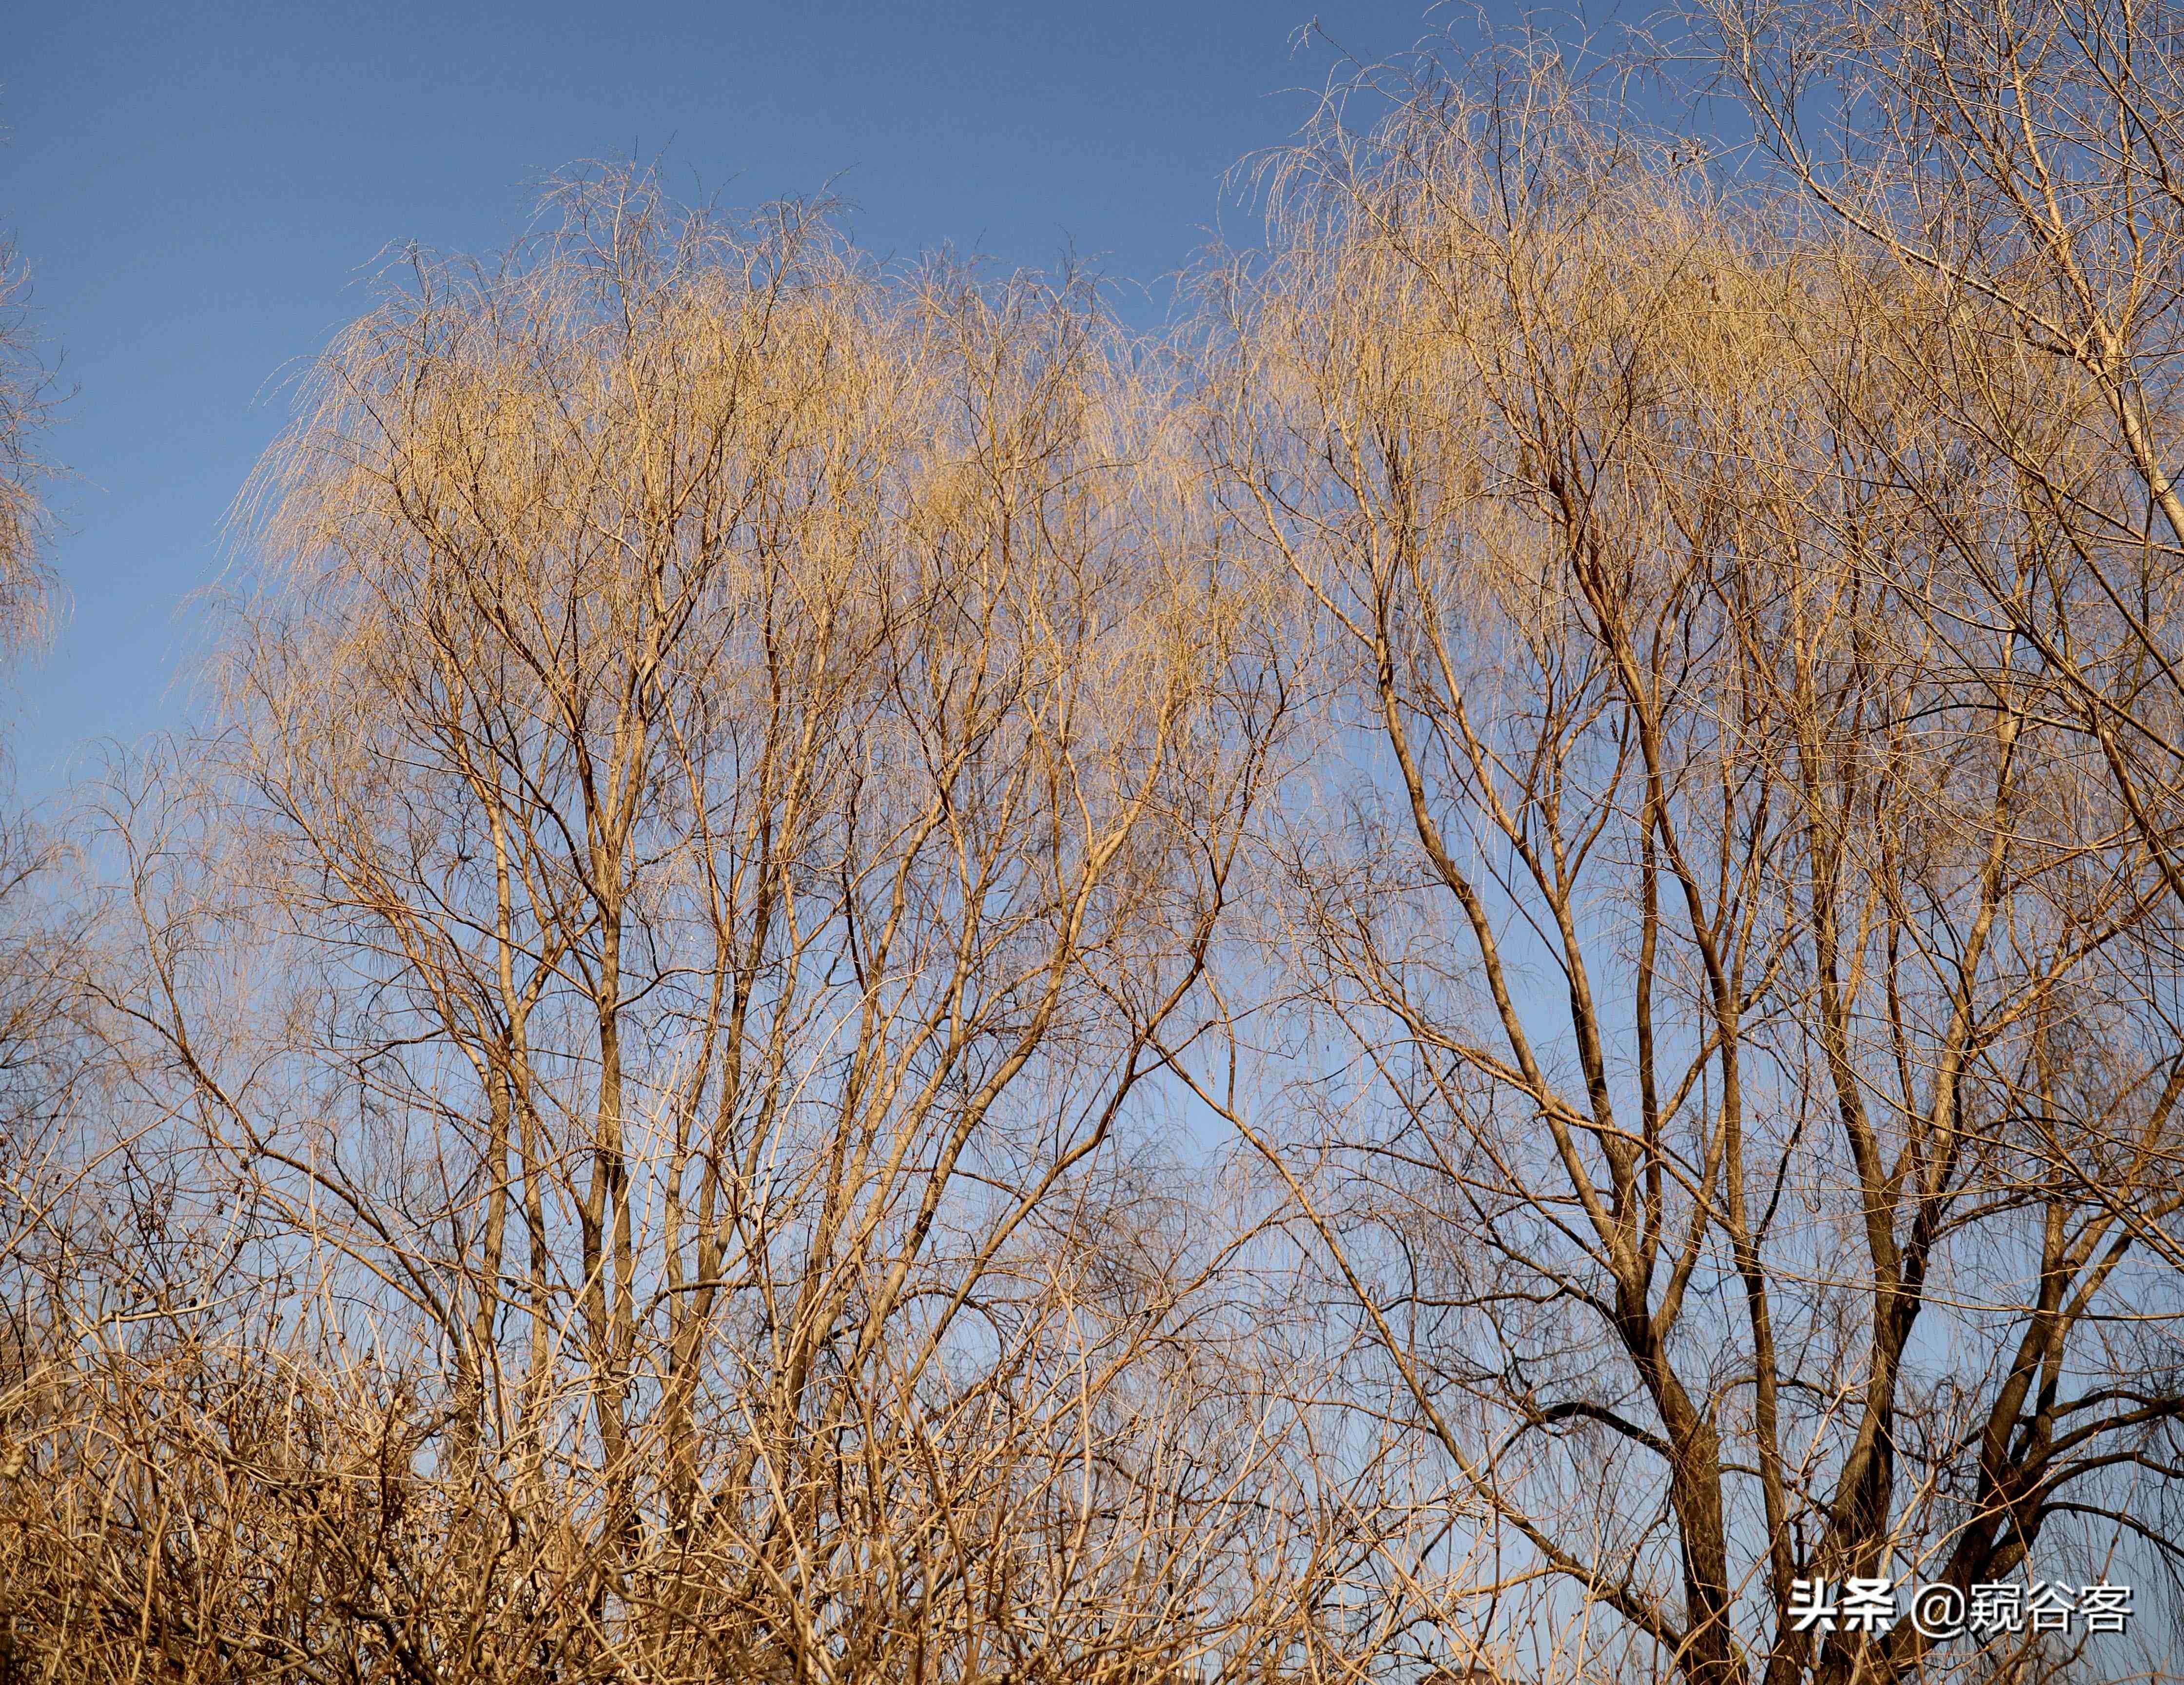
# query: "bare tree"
[[26, 583], [738, 762], [868, 981], [1718, 952], [2009, 173]]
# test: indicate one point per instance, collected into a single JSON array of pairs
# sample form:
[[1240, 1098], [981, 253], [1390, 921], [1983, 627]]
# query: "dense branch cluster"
[[1447, 979]]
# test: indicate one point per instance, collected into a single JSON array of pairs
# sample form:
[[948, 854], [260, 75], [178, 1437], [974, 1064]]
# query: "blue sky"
[[199, 188]]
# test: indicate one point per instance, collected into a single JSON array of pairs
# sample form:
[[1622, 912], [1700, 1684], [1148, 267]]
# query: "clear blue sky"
[[197, 187]]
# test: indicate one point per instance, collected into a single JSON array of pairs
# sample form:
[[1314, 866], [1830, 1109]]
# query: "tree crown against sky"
[[1468, 971]]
